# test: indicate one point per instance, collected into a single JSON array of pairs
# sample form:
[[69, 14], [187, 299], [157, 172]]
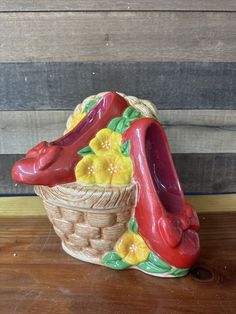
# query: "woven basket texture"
[[89, 221]]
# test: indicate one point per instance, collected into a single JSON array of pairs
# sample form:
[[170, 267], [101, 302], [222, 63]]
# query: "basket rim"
[[73, 186], [90, 198]]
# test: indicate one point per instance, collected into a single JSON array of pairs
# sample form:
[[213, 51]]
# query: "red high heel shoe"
[[53, 163], [166, 222]]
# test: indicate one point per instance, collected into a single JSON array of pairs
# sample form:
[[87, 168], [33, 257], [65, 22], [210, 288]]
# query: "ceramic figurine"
[[111, 190]]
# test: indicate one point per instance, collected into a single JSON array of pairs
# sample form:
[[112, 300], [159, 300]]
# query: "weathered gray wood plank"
[[188, 131], [109, 5], [171, 85], [199, 173], [118, 36]]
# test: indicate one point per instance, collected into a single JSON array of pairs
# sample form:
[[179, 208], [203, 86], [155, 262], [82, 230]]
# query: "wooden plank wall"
[[180, 54]]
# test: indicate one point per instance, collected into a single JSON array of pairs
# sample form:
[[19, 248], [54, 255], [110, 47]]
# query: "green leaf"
[[128, 111], [151, 268], [132, 225], [91, 104], [111, 256], [131, 113], [85, 151], [125, 148], [179, 272], [155, 260], [123, 125], [114, 123], [114, 261], [119, 124]]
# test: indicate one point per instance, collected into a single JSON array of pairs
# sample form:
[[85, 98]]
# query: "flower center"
[[106, 144], [113, 169], [91, 170], [133, 247]]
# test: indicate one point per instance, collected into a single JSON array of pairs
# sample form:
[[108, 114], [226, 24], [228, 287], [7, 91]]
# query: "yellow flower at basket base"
[[132, 248], [86, 169], [113, 169], [106, 141], [75, 119]]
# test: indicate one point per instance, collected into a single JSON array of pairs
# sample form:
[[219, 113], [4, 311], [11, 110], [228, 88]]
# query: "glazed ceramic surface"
[[111, 189], [53, 163]]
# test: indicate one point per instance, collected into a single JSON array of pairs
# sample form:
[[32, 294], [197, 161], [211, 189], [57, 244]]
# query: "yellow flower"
[[132, 248], [108, 169], [106, 141], [113, 169], [75, 119], [86, 169]]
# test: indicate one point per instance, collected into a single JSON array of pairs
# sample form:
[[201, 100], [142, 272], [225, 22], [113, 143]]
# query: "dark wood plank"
[[198, 173], [206, 173], [171, 85], [40, 278], [118, 36], [121, 5], [7, 186]]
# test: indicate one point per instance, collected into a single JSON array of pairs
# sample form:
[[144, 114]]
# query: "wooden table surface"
[[36, 276]]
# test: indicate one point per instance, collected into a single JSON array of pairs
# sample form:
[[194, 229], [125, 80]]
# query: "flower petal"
[[124, 171], [122, 246], [86, 169], [131, 258], [142, 253], [113, 169], [106, 141]]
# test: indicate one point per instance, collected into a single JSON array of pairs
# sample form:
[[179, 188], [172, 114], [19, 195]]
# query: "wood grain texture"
[[171, 85], [198, 173], [40, 278], [206, 173], [112, 5], [188, 131], [23, 206], [7, 186], [115, 36]]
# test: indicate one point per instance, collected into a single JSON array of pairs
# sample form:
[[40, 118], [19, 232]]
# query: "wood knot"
[[201, 274]]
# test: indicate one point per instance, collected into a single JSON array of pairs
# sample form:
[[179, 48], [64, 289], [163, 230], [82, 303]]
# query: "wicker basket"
[[89, 221]]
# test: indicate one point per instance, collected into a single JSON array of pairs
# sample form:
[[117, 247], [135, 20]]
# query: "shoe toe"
[[18, 171], [23, 171], [170, 230], [193, 218], [189, 248]]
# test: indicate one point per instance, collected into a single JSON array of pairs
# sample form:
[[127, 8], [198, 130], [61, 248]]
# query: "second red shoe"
[[166, 222]]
